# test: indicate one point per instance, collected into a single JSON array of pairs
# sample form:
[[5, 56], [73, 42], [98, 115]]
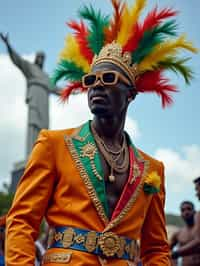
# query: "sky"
[[170, 135]]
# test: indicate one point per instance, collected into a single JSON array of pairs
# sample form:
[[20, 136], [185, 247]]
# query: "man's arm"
[[190, 247], [22, 64], [174, 240], [30, 204], [172, 243], [154, 243]]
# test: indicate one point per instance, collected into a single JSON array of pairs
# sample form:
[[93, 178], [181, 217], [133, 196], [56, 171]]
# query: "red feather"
[[111, 32], [153, 81], [133, 41], [81, 34], [153, 19], [70, 89]]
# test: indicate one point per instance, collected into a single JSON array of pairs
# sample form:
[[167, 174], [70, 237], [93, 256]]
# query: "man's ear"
[[130, 99], [131, 94]]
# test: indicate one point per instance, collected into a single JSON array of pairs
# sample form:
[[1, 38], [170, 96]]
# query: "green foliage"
[[5, 199], [67, 70], [172, 219], [153, 37], [98, 22], [178, 65]]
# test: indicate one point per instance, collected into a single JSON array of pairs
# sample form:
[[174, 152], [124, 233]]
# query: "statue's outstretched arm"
[[56, 91], [15, 57]]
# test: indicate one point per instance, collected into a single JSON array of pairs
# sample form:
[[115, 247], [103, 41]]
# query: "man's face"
[[108, 100], [187, 212], [197, 189]]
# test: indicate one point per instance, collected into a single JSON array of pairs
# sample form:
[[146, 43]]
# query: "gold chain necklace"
[[113, 157]]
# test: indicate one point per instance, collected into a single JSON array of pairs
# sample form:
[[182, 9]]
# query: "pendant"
[[111, 178]]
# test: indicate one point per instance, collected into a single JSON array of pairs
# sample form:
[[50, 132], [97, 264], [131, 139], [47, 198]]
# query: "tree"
[[5, 199]]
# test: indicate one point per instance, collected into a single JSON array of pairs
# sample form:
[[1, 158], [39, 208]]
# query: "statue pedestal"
[[16, 173]]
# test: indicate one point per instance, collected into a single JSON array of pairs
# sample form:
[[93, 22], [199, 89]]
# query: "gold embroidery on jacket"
[[86, 179], [89, 150]]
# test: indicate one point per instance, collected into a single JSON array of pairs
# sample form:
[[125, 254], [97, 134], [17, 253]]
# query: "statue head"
[[39, 59]]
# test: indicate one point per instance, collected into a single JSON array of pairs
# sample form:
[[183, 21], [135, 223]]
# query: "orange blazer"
[[59, 183]]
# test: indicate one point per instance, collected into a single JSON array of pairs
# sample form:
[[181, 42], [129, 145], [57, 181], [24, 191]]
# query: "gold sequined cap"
[[113, 53]]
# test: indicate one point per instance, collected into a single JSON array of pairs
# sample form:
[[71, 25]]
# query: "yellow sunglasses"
[[108, 77]]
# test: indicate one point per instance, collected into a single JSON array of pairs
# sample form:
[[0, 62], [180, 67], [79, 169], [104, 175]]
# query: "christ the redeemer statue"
[[37, 94]]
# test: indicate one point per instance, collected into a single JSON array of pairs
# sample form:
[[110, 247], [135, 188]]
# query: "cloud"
[[132, 128], [71, 114], [13, 116], [76, 112], [12, 85], [13, 112], [181, 167]]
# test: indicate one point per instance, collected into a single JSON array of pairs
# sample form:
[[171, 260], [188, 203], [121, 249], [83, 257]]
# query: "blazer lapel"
[[85, 154], [134, 184]]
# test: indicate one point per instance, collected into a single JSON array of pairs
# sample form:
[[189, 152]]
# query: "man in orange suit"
[[98, 192]]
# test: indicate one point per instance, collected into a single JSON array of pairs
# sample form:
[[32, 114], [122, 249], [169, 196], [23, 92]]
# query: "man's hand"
[[4, 38], [175, 255]]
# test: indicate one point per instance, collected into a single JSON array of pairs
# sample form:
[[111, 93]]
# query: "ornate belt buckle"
[[109, 243]]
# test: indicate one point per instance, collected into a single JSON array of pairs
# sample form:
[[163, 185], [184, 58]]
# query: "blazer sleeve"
[[154, 243], [29, 204]]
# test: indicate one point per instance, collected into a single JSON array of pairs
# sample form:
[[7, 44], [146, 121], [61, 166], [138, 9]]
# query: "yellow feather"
[[72, 52], [129, 18], [164, 50]]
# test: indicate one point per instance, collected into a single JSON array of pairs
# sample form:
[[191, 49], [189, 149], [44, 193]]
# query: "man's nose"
[[98, 86], [98, 82]]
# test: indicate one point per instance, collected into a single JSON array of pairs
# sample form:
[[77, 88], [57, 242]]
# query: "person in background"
[[191, 246], [187, 234]]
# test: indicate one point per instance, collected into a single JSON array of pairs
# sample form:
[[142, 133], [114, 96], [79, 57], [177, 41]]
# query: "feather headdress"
[[146, 49]]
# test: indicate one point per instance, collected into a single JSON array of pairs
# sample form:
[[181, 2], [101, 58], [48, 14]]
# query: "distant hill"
[[174, 220]]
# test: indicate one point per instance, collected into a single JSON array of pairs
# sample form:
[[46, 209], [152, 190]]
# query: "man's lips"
[[98, 99]]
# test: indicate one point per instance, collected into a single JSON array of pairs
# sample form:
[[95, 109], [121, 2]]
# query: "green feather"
[[153, 37], [168, 28], [67, 70], [178, 66], [98, 22]]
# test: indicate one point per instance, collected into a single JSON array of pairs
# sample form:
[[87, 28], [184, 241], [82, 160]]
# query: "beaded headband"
[[113, 53]]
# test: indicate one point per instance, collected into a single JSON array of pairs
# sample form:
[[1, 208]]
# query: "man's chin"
[[99, 111]]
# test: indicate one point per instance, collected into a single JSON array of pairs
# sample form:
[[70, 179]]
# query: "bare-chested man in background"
[[186, 235]]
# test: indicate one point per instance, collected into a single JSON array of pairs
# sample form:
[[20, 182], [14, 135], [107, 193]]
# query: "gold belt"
[[108, 244]]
